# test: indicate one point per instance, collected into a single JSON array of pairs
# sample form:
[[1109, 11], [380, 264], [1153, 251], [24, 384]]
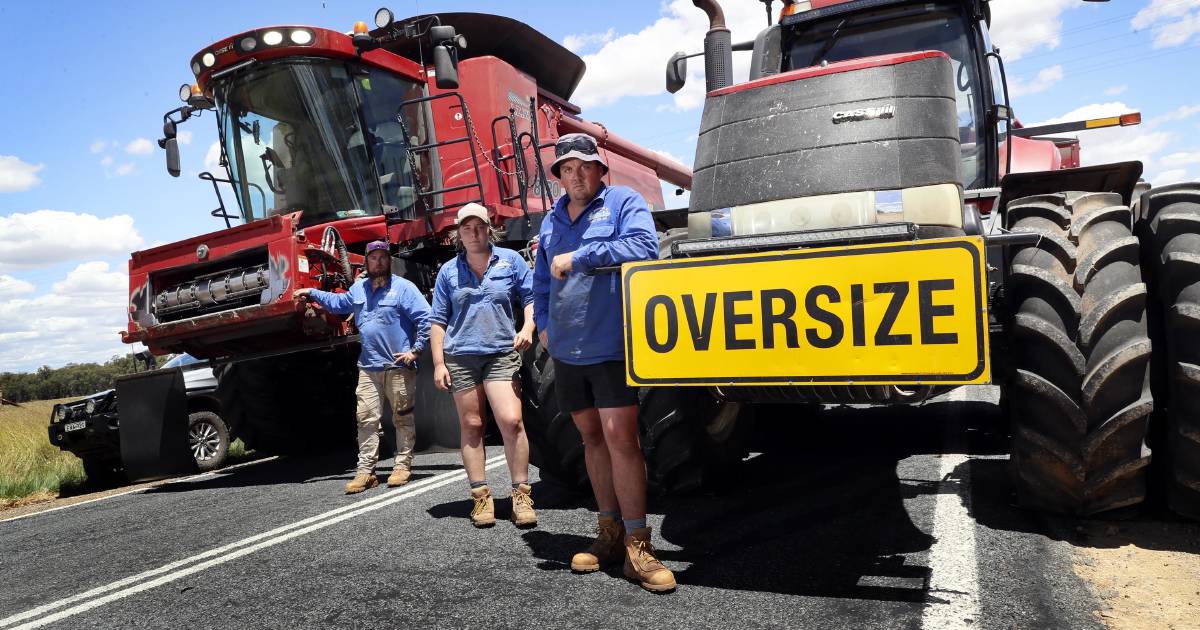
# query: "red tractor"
[[329, 141], [868, 225]]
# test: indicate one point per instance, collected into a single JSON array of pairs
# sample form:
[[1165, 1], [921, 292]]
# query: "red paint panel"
[[833, 68], [1030, 156]]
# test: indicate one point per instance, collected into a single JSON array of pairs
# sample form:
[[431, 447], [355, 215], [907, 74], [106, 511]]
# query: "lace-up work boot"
[[399, 477], [606, 550], [642, 566], [522, 506], [362, 481], [484, 512]]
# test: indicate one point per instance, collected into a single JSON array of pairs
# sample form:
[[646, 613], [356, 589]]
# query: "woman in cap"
[[477, 355]]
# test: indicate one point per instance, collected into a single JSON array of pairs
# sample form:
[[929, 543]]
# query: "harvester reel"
[[1169, 230], [1079, 398]]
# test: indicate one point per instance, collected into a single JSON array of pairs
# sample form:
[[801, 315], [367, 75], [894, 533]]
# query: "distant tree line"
[[74, 379]]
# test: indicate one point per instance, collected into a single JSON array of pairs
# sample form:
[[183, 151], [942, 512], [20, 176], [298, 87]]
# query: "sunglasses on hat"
[[580, 144]]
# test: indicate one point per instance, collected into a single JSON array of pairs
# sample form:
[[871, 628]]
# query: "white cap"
[[472, 210]]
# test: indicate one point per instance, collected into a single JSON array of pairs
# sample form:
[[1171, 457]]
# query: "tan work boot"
[[399, 477], [362, 481], [484, 512], [641, 565], [607, 549], [522, 506]]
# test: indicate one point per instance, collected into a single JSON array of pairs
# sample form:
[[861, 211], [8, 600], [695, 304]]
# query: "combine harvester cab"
[[329, 141], [869, 224]]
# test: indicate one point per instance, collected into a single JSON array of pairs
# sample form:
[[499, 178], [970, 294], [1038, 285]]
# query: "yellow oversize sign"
[[894, 313]]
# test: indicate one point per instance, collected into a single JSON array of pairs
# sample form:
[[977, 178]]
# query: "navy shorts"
[[600, 385]]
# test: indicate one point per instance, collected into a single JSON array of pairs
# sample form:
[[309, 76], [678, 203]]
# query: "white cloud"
[[632, 64], [1173, 176], [1113, 144], [1181, 158], [575, 43], [212, 159], [184, 137], [1020, 27], [670, 156], [17, 176], [1173, 22], [11, 287], [106, 160], [44, 237], [125, 169], [139, 146], [78, 320], [1116, 90], [1046, 78], [98, 146], [1181, 113]]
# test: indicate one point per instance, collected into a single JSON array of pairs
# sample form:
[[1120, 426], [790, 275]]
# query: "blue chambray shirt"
[[478, 314], [393, 318], [582, 314]]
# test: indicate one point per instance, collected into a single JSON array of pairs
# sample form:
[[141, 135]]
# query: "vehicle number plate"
[[75, 426], [902, 313]]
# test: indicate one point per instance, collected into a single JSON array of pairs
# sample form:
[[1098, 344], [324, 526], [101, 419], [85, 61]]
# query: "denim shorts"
[[468, 371]]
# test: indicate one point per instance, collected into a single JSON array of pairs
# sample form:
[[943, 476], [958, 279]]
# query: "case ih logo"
[[868, 113]]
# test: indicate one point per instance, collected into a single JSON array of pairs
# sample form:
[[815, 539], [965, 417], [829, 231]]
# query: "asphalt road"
[[884, 518]]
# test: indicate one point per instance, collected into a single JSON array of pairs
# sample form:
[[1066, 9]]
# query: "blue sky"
[[85, 85]]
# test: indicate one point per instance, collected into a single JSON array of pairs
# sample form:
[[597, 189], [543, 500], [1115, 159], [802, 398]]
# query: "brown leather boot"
[[362, 481], [484, 512], [607, 549], [522, 506], [641, 566], [399, 477]]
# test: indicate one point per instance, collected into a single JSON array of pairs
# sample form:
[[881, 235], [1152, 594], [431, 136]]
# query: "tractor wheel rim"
[[204, 441]]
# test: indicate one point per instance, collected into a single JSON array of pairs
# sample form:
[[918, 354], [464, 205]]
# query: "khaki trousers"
[[396, 389]]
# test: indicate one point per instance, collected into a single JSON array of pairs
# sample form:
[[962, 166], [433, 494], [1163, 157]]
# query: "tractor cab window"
[[899, 30], [400, 171], [310, 135]]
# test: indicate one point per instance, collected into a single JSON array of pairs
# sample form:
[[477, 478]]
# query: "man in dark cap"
[[393, 319]]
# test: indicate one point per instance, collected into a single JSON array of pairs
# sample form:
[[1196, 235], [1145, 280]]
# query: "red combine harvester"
[[332, 140]]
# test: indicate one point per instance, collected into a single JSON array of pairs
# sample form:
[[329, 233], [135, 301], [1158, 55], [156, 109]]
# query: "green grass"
[[31, 466], [29, 463]]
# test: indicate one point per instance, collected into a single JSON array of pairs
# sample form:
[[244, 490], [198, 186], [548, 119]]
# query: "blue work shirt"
[[478, 314], [582, 314], [393, 318]]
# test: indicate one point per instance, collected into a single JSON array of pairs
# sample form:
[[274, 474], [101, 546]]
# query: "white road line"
[[952, 563], [120, 589], [194, 477]]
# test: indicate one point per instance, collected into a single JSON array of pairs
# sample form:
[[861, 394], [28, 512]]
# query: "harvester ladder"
[[427, 197]]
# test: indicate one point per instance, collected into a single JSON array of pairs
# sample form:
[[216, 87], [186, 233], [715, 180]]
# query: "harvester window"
[[899, 30]]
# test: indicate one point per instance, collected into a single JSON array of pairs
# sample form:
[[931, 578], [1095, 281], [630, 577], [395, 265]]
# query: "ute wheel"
[[1080, 396], [208, 438], [555, 445], [1169, 230], [691, 439], [295, 403], [102, 472]]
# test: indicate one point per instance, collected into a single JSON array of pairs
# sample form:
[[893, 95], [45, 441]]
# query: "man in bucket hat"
[[393, 319], [579, 322]]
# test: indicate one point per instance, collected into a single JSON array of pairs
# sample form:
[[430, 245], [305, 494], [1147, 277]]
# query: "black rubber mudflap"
[[1080, 397], [555, 445], [154, 425], [1169, 230]]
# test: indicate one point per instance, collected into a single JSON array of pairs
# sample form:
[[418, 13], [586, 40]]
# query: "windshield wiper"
[[830, 41]]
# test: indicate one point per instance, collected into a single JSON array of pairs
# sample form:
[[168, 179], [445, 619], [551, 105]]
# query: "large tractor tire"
[[294, 403], [555, 445], [1080, 397], [691, 439], [1169, 230]]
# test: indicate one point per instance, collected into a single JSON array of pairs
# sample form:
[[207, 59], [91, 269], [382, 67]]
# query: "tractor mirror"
[[676, 72], [443, 66], [1001, 113], [172, 147], [169, 129]]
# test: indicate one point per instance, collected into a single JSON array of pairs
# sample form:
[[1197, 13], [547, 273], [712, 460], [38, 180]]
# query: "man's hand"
[[441, 377], [301, 295], [407, 359], [561, 266], [523, 340], [542, 338]]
